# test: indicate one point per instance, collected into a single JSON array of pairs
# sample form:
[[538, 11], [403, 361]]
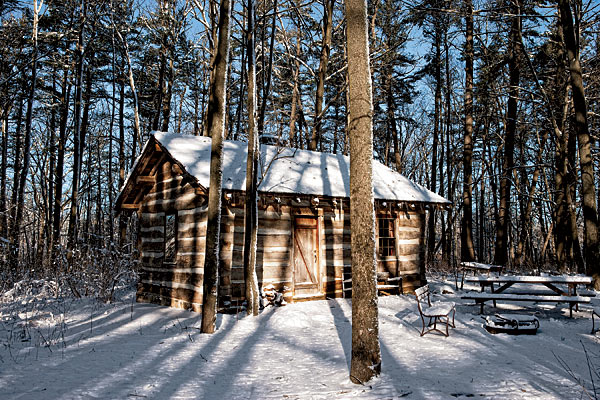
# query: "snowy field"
[[82, 349]]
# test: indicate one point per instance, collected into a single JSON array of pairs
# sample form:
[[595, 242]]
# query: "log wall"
[[273, 254], [177, 284], [180, 284]]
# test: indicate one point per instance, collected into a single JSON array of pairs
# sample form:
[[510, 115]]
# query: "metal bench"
[[436, 312], [596, 312]]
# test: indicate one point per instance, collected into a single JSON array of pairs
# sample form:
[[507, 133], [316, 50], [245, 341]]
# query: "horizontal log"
[[182, 286], [148, 220], [152, 254], [404, 234], [152, 240], [338, 231], [171, 193], [154, 228], [409, 249], [176, 269], [151, 249], [187, 201], [169, 278], [155, 235], [169, 296], [190, 260], [199, 218], [145, 180], [153, 298], [414, 221]]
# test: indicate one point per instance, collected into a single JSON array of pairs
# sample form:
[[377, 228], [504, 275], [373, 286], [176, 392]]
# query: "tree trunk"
[[28, 127], [501, 247], [322, 74], [586, 166], [77, 139], [216, 126], [269, 74], [293, 113], [366, 353], [60, 161], [467, 249], [3, 167], [251, 223], [134, 96], [436, 134]]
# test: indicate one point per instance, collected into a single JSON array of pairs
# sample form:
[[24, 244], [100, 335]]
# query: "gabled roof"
[[286, 170]]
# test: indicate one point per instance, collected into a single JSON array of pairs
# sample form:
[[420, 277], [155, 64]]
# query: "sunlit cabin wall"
[[410, 233], [336, 246], [177, 284], [408, 260], [273, 253]]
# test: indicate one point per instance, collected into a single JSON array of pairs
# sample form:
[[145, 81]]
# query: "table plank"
[[578, 280]]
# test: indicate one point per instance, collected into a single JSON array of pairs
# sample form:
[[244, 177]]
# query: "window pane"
[[170, 237], [387, 240]]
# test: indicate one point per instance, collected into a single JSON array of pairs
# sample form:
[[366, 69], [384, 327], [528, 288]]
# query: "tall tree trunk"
[[467, 249], [17, 171], [251, 223], [586, 166], [60, 161], [216, 127], [28, 126], [169, 83], [4, 165], [501, 247], [134, 97], [366, 353], [122, 219], [77, 134], [53, 128], [269, 74], [436, 135], [295, 93], [322, 74]]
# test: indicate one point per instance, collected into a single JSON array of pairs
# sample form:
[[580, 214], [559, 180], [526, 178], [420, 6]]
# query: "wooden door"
[[306, 256]]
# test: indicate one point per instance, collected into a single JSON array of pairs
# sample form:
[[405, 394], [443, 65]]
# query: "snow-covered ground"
[[72, 349]]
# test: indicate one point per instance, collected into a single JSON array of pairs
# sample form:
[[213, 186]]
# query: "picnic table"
[[479, 268], [556, 295]]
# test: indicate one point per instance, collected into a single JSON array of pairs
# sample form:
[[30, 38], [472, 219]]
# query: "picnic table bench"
[[557, 295]]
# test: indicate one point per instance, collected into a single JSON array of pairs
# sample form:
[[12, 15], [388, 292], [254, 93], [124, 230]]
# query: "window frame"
[[386, 244], [173, 258]]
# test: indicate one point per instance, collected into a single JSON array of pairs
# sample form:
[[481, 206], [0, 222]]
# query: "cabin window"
[[387, 239], [170, 237]]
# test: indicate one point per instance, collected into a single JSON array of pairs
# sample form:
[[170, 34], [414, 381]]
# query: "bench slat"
[[520, 297]]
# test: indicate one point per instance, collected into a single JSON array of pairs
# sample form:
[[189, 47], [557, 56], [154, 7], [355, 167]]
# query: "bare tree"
[[216, 127], [251, 223], [467, 252], [501, 248], [590, 214]]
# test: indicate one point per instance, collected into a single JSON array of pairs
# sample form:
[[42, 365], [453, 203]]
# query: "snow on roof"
[[289, 171]]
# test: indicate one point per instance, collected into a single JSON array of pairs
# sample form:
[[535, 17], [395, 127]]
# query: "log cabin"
[[304, 248]]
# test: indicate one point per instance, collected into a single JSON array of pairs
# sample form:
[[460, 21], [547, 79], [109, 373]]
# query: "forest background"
[[477, 102]]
